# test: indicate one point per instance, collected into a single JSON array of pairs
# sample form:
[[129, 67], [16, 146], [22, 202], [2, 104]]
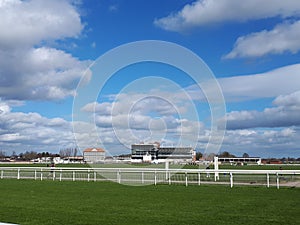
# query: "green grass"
[[49, 202], [262, 167], [43, 165], [245, 167], [251, 167]]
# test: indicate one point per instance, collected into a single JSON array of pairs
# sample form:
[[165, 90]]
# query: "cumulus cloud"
[[282, 142], [283, 38], [206, 12], [284, 114], [291, 100], [141, 117], [141, 124], [270, 84], [280, 81], [31, 131], [161, 102], [25, 23], [38, 73]]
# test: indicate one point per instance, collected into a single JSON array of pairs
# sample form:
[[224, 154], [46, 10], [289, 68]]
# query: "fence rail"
[[144, 176]]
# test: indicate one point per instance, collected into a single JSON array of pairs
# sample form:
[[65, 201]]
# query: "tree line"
[[29, 155]]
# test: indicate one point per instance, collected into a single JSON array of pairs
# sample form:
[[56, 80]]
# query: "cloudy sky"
[[252, 47]]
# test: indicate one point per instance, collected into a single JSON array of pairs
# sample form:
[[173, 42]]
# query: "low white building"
[[240, 160], [93, 155]]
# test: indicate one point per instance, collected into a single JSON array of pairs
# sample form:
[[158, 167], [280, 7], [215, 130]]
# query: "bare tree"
[[14, 154], [67, 152], [75, 151], [209, 156], [2, 154], [64, 153]]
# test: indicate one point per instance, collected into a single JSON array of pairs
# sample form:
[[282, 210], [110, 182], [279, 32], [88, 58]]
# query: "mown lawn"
[[226, 166], [52, 202], [251, 167]]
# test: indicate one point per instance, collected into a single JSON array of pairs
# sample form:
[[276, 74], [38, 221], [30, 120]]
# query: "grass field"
[[245, 167], [251, 167], [50, 202]]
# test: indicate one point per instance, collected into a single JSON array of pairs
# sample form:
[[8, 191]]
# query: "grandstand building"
[[141, 152], [93, 155]]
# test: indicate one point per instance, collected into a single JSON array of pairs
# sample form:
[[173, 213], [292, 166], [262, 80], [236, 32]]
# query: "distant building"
[[93, 155], [241, 160], [72, 159], [177, 153], [138, 151], [271, 161], [153, 152]]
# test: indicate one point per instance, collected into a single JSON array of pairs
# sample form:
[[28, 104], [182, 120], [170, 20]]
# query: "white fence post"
[[216, 166], [186, 179], [119, 176], [143, 177], [169, 178], [1, 174], [74, 175], [155, 177], [199, 178], [95, 176], [60, 175], [277, 180], [41, 174], [268, 180], [231, 180], [18, 176], [167, 169], [88, 178], [35, 174]]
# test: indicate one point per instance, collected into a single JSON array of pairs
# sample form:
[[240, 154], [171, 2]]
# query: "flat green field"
[[245, 167], [51, 202]]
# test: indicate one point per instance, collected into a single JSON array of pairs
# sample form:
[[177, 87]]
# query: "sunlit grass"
[[51, 202]]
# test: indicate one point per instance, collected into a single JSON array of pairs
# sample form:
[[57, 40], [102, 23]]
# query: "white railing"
[[144, 176]]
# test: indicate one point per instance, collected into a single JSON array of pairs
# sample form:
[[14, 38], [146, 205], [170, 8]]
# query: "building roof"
[[94, 150]]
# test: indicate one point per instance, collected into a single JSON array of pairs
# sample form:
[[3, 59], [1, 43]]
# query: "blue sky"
[[251, 46]]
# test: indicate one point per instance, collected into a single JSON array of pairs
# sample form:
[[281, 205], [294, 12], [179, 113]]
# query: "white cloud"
[[25, 23], [31, 131], [41, 73], [4, 108], [270, 84], [291, 100], [136, 117], [38, 73], [284, 114], [104, 108], [160, 102], [283, 38], [205, 12], [282, 142], [244, 126]]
